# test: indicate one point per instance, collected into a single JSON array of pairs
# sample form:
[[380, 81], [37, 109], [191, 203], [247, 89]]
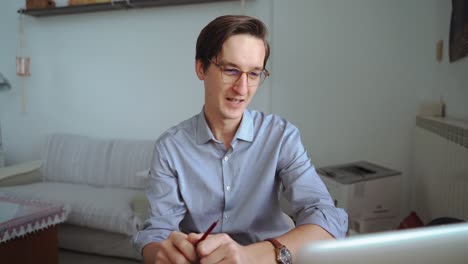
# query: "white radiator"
[[440, 167]]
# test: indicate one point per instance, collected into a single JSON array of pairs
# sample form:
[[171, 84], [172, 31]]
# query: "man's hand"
[[175, 249], [220, 248]]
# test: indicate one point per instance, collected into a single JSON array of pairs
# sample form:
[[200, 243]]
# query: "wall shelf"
[[114, 5]]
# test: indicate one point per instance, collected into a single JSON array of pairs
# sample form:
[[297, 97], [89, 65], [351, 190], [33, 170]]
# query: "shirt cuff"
[[143, 238]]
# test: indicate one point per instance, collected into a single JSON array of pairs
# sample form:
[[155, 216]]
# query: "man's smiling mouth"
[[236, 101]]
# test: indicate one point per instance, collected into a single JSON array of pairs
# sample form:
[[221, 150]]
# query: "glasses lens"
[[230, 76], [259, 78]]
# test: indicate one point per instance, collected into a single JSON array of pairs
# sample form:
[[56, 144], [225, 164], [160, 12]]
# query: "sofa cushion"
[[141, 206], [107, 209], [99, 162], [95, 241], [75, 159], [127, 159]]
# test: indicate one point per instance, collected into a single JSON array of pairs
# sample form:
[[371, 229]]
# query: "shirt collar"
[[204, 133], [244, 132], [246, 129]]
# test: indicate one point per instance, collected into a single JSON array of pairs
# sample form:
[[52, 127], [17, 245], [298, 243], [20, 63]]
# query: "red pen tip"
[[208, 231]]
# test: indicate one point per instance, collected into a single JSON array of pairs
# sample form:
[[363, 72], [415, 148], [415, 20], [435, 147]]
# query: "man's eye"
[[232, 72], [254, 74]]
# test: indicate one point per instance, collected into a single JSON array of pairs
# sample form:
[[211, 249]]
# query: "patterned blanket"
[[19, 217]]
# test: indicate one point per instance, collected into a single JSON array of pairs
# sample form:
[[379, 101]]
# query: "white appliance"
[[369, 193]]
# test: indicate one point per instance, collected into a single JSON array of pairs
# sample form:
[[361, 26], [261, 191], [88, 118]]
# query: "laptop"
[[427, 245]]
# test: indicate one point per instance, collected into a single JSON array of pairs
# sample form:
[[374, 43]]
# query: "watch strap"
[[278, 248], [275, 243]]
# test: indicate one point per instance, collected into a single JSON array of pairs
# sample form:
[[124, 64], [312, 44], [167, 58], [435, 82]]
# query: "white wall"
[[351, 68], [444, 79], [349, 74], [115, 74]]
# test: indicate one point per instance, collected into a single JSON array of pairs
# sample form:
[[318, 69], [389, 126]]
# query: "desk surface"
[[19, 217]]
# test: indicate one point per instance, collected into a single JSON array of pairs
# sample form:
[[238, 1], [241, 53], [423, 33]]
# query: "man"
[[228, 164]]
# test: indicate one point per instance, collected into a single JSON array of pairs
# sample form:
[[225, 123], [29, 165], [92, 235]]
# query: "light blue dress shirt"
[[194, 180]]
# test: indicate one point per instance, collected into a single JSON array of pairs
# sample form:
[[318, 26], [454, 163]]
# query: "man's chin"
[[234, 114]]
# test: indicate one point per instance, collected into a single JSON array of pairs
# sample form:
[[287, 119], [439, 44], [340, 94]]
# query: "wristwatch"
[[283, 255]]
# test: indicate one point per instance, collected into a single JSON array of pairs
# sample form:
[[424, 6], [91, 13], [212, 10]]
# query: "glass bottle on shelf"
[[23, 61]]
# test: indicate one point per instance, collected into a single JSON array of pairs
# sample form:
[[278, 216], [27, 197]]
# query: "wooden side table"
[[28, 230]]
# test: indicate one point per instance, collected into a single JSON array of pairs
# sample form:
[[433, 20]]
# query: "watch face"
[[285, 256]]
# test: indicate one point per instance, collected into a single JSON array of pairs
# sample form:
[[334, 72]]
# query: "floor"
[[71, 257]]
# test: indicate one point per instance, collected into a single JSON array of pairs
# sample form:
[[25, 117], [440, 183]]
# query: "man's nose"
[[241, 85]]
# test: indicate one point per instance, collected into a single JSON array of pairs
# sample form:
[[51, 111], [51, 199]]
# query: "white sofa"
[[102, 180]]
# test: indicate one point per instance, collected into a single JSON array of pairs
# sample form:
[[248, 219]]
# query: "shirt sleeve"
[[167, 208], [310, 200]]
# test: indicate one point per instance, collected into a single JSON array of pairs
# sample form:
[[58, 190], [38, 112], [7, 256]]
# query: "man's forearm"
[[264, 252], [301, 235], [261, 252]]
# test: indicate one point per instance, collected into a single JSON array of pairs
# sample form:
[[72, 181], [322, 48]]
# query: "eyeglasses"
[[231, 75]]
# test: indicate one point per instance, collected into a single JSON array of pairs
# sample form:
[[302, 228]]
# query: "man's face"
[[225, 101]]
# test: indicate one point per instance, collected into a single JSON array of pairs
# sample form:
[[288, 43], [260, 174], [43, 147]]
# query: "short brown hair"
[[212, 37]]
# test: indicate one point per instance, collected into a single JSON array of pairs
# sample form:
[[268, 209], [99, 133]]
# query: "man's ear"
[[199, 70]]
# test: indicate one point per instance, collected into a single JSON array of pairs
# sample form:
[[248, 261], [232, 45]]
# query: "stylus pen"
[[208, 231]]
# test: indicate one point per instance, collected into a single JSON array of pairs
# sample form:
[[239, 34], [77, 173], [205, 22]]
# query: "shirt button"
[[228, 188], [226, 216], [226, 159]]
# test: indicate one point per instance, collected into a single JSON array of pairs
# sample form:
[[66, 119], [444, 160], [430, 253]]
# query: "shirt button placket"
[[227, 187]]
